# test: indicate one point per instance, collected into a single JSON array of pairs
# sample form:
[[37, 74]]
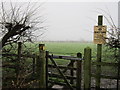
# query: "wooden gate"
[[74, 69]]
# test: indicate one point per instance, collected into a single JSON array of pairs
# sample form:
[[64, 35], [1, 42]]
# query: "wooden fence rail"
[[41, 68]]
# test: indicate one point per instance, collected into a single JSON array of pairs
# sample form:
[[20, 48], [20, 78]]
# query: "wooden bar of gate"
[[79, 72], [71, 72], [47, 55]]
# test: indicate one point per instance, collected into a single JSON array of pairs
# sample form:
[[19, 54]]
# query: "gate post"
[[41, 67], [87, 68], [79, 72], [99, 56], [47, 56], [19, 59]]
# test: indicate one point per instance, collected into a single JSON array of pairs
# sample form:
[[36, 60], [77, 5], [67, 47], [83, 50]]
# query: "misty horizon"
[[75, 21]]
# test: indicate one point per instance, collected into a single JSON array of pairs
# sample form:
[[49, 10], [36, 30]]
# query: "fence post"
[[41, 67], [99, 56], [19, 58], [87, 68], [34, 59], [47, 56], [79, 72]]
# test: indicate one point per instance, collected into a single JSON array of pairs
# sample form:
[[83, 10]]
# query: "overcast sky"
[[74, 21]]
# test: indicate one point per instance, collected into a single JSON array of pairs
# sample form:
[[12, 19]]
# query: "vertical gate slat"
[[79, 72], [72, 72]]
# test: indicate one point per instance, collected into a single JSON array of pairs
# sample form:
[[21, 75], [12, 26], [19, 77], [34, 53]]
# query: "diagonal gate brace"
[[68, 84]]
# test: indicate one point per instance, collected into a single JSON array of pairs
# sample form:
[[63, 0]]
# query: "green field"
[[71, 48], [63, 48], [68, 48]]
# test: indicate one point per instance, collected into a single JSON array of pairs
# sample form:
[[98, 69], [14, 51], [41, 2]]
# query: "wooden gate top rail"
[[105, 76], [26, 55], [105, 64], [65, 57]]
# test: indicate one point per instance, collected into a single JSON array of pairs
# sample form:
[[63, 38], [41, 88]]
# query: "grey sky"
[[74, 21]]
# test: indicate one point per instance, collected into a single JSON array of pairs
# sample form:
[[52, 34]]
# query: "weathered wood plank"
[[71, 71], [87, 68], [16, 55], [99, 56], [106, 77], [47, 55], [79, 72], [18, 62], [41, 67], [105, 64], [65, 57]]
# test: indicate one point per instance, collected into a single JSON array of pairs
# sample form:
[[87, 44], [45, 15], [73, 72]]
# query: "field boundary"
[[42, 75]]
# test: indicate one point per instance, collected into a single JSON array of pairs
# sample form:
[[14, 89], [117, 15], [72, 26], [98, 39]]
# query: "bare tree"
[[20, 22]]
